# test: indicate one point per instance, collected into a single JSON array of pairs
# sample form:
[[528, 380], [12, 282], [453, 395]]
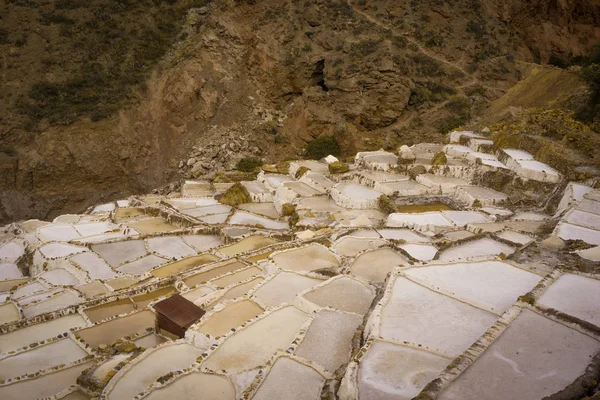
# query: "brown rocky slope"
[[259, 77]]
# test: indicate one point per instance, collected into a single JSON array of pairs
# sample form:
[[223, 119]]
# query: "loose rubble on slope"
[[395, 279]]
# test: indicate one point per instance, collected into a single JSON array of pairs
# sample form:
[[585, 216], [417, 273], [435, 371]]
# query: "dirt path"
[[410, 40]]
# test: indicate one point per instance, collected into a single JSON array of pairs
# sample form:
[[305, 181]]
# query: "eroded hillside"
[[239, 78]]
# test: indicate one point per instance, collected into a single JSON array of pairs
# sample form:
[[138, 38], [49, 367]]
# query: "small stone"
[[485, 130], [269, 168], [181, 164], [307, 234], [338, 168], [553, 243], [102, 346], [191, 161], [331, 159]]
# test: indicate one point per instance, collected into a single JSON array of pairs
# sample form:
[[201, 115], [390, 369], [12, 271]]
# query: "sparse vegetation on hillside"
[[248, 164], [322, 147], [112, 46], [459, 108]]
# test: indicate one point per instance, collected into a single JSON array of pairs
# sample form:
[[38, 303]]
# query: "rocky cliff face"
[[263, 78]]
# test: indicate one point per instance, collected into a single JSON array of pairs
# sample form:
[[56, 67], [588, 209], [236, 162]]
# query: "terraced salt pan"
[[76, 395], [60, 277], [309, 258], [144, 372], [333, 331], [150, 341], [241, 289], [283, 288], [375, 265], [365, 233], [247, 348], [125, 214], [491, 285], [403, 234], [515, 237], [56, 250], [202, 242], [109, 332], [204, 211], [574, 295], [418, 221], [94, 228], [38, 296], [468, 195], [403, 188], [592, 254], [273, 181], [9, 271], [588, 205], [94, 266], [122, 283], [476, 248], [138, 267], [93, 289], [247, 244], [317, 181], [215, 219], [170, 247], [537, 171], [350, 246], [106, 310], [582, 218], [38, 332], [183, 265], [306, 385], [211, 387], [62, 300], [41, 358], [198, 293], [44, 386], [213, 272], [535, 357], [462, 218], [154, 225], [352, 195], [421, 252], [120, 252], [376, 160], [315, 166], [266, 209], [236, 277], [9, 313], [442, 184], [390, 371], [11, 251], [142, 300], [244, 218], [319, 204], [257, 191], [228, 318], [343, 293], [423, 317], [568, 231], [58, 233]]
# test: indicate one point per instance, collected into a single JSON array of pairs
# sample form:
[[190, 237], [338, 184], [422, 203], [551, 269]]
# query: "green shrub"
[[322, 147], [385, 204], [3, 36], [338, 167], [248, 164], [235, 195]]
